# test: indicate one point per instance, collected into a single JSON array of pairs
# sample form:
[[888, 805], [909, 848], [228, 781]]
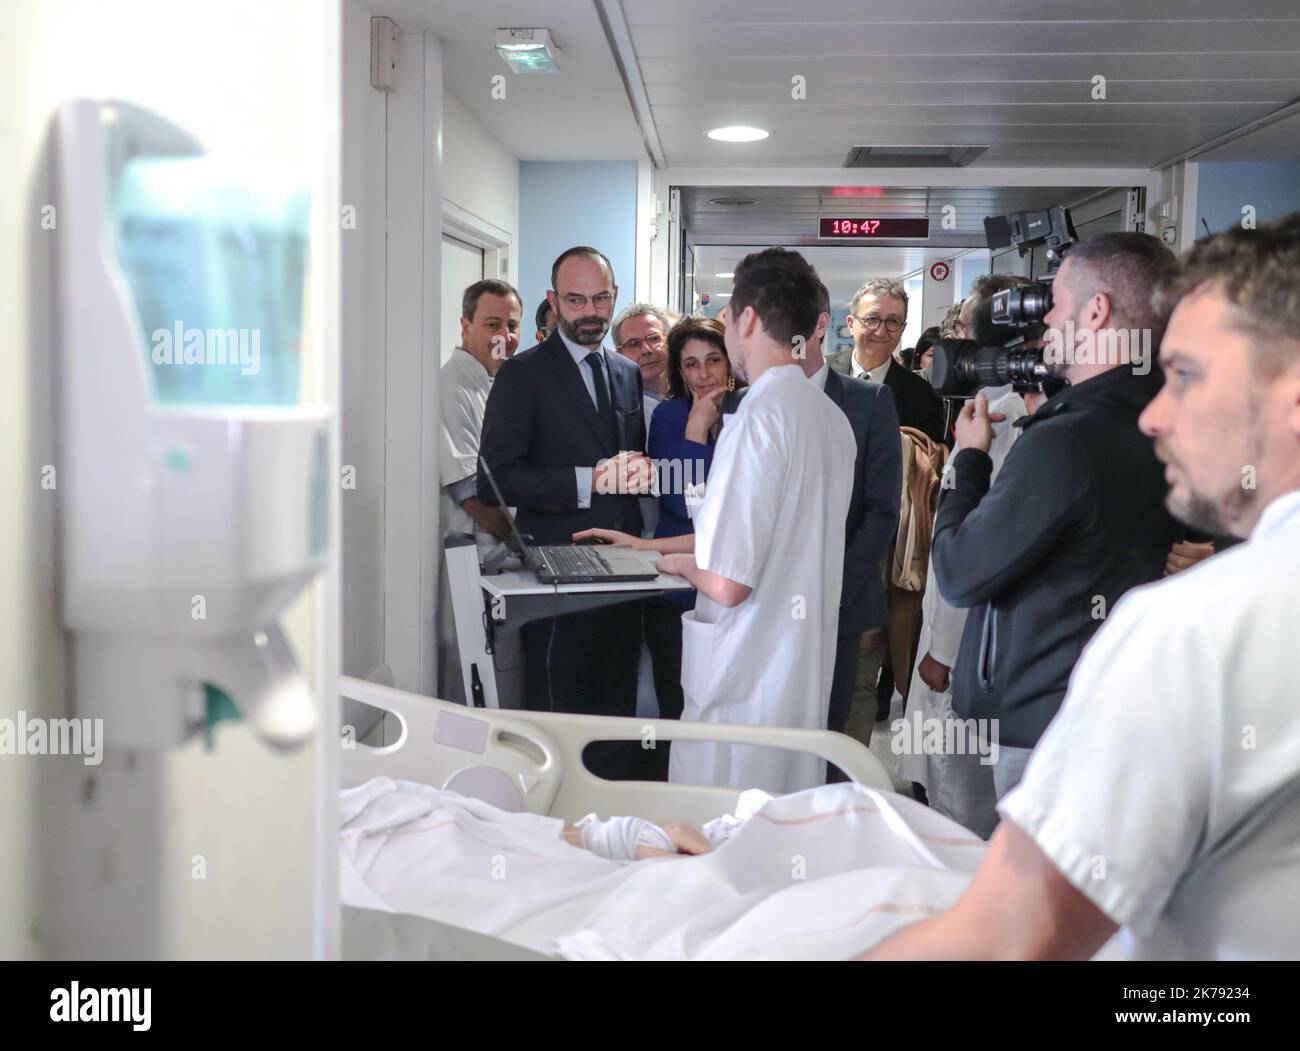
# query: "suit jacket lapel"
[[566, 370], [893, 378], [618, 395], [835, 387]]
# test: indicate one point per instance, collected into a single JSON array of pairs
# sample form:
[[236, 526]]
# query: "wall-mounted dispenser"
[[192, 482]]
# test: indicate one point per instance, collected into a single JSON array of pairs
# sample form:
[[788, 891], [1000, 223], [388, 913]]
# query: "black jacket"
[[1075, 519], [873, 507], [540, 423], [915, 400]]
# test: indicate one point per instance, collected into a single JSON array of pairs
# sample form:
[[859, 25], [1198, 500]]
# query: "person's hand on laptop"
[[627, 474], [613, 536]]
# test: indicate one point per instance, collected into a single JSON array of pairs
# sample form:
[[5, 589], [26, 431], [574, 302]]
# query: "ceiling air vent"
[[912, 156], [733, 202]]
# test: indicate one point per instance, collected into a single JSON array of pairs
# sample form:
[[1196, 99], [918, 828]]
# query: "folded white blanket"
[[819, 874]]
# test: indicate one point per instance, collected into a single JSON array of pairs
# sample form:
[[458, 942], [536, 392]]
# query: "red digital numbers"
[[852, 227], [900, 228]]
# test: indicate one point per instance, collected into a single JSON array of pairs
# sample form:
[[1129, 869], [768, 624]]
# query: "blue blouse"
[[679, 462]]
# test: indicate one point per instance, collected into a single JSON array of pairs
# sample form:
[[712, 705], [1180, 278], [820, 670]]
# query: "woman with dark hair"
[[699, 377], [924, 353]]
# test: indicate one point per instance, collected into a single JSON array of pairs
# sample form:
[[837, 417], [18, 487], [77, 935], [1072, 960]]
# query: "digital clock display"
[[873, 229]]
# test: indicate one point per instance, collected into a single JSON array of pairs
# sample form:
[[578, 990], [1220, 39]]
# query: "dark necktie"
[[596, 361]]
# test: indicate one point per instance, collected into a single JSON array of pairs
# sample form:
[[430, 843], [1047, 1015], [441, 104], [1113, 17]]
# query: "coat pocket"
[[699, 667], [630, 428]]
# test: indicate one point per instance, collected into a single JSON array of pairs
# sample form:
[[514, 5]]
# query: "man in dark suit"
[[877, 317], [873, 510], [564, 434]]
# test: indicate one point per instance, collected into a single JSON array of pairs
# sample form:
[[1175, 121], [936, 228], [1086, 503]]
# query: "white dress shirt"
[[819, 377], [579, 354], [877, 374]]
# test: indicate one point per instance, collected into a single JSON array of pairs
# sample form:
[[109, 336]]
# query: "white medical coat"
[[464, 386], [772, 519]]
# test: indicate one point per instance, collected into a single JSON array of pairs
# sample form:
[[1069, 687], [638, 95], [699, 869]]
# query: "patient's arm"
[[1018, 907], [686, 838]]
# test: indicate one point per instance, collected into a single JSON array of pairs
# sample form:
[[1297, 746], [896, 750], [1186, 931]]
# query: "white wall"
[[98, 861], [480, 175], [386, 277]]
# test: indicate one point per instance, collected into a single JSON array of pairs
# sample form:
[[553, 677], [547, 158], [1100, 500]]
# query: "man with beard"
[[564, 435], [1075, 517], [1164, 800]]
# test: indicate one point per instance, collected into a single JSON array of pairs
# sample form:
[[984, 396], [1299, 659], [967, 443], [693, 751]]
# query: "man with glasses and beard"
[[564, 435]]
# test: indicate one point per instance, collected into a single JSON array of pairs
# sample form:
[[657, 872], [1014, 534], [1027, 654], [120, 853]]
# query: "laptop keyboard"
[[569, 561]]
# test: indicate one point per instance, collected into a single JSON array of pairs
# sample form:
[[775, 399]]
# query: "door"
[[462, 265]]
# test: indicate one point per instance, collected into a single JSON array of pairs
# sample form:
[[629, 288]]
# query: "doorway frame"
[[464, 225]]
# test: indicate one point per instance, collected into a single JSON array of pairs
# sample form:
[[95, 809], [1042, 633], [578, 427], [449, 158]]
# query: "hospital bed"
[[531, 761]]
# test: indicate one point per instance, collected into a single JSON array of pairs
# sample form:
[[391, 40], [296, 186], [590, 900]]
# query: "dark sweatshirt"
[[1077, 517]]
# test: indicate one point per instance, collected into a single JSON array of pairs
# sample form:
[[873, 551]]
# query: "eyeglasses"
[[651, 342], [577, 301], [873, 323]]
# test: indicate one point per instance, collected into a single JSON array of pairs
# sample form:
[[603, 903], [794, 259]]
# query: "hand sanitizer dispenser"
[[192, 482]]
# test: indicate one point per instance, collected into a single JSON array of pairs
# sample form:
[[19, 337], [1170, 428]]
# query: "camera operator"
[[1076, 516]]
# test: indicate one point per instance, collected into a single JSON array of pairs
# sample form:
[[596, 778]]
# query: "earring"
[[731, 382]]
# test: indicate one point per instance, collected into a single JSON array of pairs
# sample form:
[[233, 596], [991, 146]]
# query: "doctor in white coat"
[[759, 647], [767, 554]]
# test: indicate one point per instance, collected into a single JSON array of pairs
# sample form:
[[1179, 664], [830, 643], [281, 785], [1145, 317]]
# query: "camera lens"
[[1020, 306], [1035, 302]]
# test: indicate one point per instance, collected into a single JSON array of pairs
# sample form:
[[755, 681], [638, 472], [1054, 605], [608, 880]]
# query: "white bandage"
[[618, 838], [721, 829]]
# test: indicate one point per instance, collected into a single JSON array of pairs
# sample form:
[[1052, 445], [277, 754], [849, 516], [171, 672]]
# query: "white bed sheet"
[[820, 874]]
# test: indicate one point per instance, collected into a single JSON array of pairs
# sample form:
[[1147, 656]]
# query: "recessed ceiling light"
[[737, 133], [735, 202], [724, 275]]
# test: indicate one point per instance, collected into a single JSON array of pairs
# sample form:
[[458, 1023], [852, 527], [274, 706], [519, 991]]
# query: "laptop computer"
[[571, 564]]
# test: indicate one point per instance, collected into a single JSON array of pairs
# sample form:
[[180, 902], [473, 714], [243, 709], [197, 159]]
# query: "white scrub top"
[[1167, 788], [772, 519], [464, 385]]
